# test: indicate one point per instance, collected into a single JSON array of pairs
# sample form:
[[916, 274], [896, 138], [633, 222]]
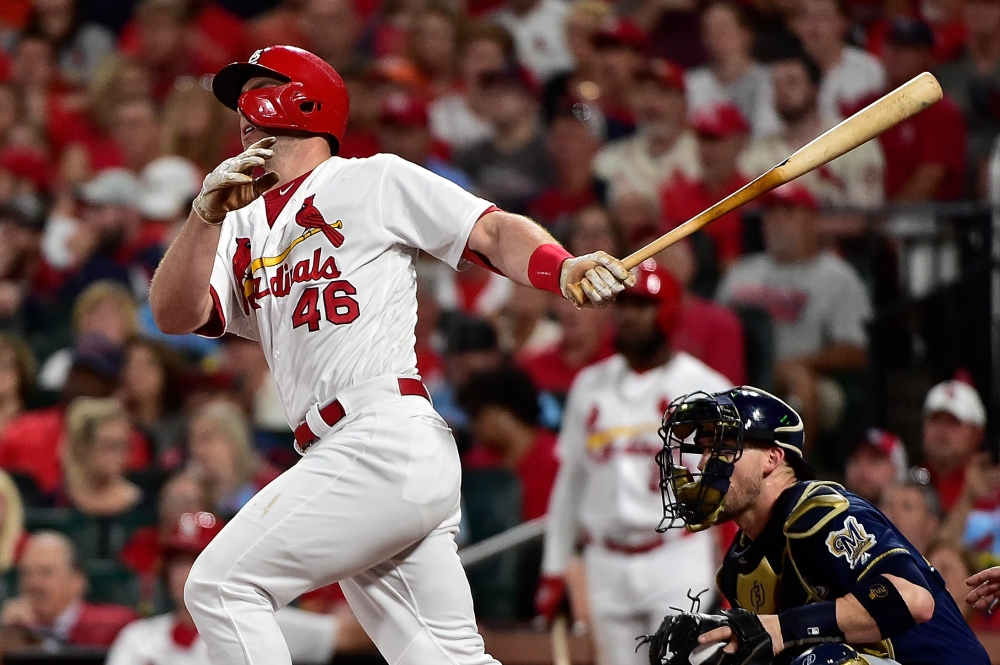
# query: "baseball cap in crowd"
[[957, 398], [394, 69], [29, 164], [908, 31], [469, 333], [791, 194], [615, 31], [99, 354], [666, 73], [511, 74], [115, 186], [719, 121], [404, 110], [891, 446], [167, 187], [24, 210]]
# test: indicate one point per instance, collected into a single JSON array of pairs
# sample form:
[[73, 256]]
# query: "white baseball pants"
[[373, 504], [631, 593]]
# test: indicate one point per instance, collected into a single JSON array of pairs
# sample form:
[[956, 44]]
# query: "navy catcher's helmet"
[[721, 424], [830, 654]]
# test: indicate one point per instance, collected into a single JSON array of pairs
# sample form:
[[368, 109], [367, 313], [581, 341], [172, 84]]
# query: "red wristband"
[[545, 265]]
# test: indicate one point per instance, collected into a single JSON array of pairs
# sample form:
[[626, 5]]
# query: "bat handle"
[[575, 294]]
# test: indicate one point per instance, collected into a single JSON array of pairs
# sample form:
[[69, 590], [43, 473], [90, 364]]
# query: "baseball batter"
[[609, 484], [315, 260]]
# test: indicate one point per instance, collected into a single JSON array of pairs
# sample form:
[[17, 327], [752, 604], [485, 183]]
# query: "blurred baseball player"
[[812, 564], [609, 485], [171, 639], [315, 260]]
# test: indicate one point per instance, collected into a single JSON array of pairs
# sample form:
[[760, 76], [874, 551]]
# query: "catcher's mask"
[[696, 425]]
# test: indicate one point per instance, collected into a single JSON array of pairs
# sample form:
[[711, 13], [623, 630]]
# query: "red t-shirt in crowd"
[[99, 625], [936, 135], [682, 197], [31, 444], [949, 488], [550, 372], [537, 471], [555, 205], [712, 334]]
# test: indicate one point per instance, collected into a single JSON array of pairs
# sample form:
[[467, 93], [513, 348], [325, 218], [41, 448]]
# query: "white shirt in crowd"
[[857, 75], [540, 37], [752, 95]]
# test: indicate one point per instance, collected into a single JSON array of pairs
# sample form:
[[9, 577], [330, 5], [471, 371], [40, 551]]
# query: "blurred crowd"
[[607, 122]]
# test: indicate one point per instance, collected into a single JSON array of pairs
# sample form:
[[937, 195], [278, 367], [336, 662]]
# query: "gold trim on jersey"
[[881, 556], [757, 590], [605, 437], [271, 261]]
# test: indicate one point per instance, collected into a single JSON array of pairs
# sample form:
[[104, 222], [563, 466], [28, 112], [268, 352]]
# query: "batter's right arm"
[[179, 295]]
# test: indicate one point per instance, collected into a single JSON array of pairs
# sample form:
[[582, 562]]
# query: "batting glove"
[[230, 186], [601, 276], [549, 597]]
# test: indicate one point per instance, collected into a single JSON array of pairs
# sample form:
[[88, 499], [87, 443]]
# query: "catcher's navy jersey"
[[821, 541]]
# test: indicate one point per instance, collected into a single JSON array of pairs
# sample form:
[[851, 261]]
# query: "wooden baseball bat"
[[560, 641], [904, 102]]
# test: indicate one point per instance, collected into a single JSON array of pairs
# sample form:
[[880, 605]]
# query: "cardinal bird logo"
[[241, 269], [310, 217]]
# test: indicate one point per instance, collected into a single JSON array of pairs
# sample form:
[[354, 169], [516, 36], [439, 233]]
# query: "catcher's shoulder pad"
[[818, 505]]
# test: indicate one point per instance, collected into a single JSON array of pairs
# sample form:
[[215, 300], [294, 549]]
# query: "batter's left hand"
[[601, 276]]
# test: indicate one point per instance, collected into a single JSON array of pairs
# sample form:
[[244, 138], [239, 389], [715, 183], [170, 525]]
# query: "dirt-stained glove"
[[230, 186], [549, 597], [675, 642], [601, 276]]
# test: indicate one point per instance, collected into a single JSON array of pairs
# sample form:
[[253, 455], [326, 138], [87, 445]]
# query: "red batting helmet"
[[313, 97], [192, 534], [656, 283]]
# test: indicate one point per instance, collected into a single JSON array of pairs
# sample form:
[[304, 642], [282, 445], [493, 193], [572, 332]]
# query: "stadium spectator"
[[136, 130], [620, 53], [722, 136], [973, 80], [34, 71], [503, 408], [404, 131], [13, 537], [915, 509], [572, 146], [80, 46], [434, 48], [855, 179], [662, 144], [524, 325], [878, 460], [460, 117], [220, 446], [706, 330], [105, 310], [244, 361], [584, 19], [974, 519], [168, 184], [924, 155], [339, 47], [539, 31], [472, 347], [21, 222], [50, 609], [849, 73], [17, 377], [955, 566], [95, 458], [512, 167], [593, 229], [196, 126], [954, 422], [637, 214], [150, 391], [732, 75], [817, 302]]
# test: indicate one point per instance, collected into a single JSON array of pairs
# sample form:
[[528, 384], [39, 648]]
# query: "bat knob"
[[575, 294]]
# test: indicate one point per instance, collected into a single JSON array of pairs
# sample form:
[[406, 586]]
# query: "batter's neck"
[[294, 157]]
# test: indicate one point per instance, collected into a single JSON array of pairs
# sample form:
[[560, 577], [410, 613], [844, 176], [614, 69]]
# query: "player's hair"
[[740, 14], [84, 417], [485, 30], [931, 499], [76, 562], [25, 364], [508, 388], [97, 293]]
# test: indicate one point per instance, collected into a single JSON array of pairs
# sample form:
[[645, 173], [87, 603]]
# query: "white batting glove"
[[230, 186], [601, 276]]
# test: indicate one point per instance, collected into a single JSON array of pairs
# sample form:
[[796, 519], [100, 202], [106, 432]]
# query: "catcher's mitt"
[[675, 642]]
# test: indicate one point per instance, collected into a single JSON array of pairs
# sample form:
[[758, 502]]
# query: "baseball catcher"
[[816, 575]]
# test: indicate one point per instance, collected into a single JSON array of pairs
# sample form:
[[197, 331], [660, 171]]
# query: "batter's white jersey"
[[321, 271], [311, 638], [608, 480]]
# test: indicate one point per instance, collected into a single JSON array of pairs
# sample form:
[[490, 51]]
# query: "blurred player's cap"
[[656, 283], [666, 73], [889, 445], [404, 110], [719, 121], [168, 185], [957, 398], [192, 534], [908, 31], [791, 194], [393, 69], [511, 74], [97, 353], [116, 186], [29, 164], [616, 31]]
